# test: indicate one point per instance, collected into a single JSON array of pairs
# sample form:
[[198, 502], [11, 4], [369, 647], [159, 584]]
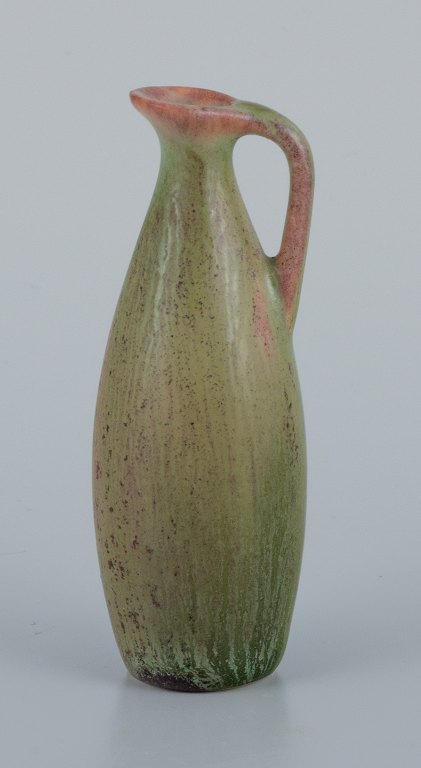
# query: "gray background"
[[78, 168]]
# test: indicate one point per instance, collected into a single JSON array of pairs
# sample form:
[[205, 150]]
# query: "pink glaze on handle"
[[289, 262]]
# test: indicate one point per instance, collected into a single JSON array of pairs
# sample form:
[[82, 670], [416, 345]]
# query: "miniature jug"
[[199, 466]]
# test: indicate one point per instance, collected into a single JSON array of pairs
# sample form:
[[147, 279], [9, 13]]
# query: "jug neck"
[[192, 163]]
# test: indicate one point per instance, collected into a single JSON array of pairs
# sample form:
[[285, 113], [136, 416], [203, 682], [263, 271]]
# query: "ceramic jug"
[[199, 467]]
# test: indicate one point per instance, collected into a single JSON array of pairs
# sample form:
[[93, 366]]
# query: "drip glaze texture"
[[199, 467]]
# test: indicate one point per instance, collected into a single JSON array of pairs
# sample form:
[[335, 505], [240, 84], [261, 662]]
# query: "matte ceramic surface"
[[199, 465]]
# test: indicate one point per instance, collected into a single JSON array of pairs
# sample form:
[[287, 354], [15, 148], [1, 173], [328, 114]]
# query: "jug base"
[[184, 685]]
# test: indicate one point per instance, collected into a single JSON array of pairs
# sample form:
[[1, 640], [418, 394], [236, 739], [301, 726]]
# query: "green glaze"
[[199, 451]]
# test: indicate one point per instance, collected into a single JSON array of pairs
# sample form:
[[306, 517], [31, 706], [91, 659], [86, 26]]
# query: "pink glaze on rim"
[[194, 111], [180, 96]]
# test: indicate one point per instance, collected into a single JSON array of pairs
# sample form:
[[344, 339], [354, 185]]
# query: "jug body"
[[199, 464]]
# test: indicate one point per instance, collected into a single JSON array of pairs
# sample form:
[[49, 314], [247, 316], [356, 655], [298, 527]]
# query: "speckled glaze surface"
[[199, 466]]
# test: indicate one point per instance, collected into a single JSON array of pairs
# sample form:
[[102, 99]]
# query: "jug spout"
[[190, 112]]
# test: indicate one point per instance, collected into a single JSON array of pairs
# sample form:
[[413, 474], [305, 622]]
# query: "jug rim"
[[181, 97], [180, 111]]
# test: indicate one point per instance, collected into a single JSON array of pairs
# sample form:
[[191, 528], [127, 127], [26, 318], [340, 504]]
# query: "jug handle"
[[289, 262]]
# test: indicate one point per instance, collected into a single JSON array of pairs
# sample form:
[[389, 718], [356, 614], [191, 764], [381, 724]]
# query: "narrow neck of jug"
[[196, 166]]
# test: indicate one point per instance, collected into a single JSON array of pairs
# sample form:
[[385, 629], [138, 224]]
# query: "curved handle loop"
[[289, 262]]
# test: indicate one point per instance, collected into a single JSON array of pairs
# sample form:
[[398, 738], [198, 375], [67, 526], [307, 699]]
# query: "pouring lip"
[[178, 97], [198, 113]]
